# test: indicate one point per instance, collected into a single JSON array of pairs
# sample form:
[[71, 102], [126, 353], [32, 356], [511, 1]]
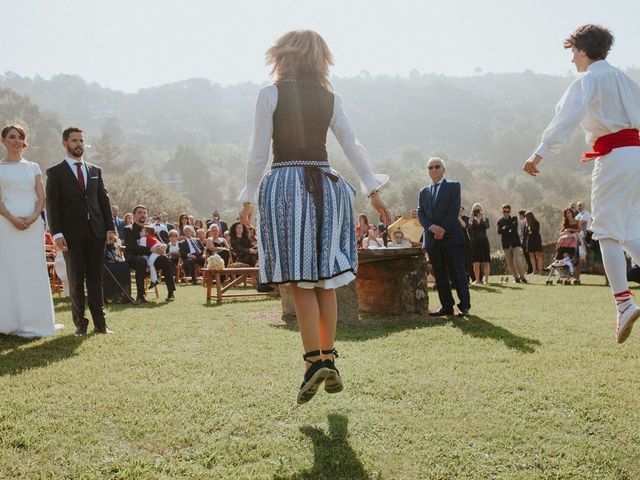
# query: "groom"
[[80, 219]]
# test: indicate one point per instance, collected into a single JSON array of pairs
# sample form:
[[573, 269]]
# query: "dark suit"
[[134, 254], [83, 217], [119, 225], [190, 263], [446, 255]]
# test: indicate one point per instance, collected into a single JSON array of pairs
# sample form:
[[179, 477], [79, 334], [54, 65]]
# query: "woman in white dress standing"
[[25, 293], [307, 230]]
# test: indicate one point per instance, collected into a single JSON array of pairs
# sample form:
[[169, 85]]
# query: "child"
[[148, 239], [566, 262]]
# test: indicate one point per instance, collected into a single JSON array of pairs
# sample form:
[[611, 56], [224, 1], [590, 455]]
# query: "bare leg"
[[476, 272], [328, 307], [534, 264], [308, 313], [487, 271], [539, 260]]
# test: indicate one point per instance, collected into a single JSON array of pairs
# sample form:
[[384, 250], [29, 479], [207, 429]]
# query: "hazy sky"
[[132, 44]]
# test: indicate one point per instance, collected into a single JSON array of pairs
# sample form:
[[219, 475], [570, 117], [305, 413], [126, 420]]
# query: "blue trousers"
[[448, 265]]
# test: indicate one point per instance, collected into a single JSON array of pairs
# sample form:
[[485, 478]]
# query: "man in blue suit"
[[443, 239]]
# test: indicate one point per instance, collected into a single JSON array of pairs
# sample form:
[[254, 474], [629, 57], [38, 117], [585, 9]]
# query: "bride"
[[25, 293]]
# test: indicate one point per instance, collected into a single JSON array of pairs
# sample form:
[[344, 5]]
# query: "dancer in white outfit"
[[606, 104]]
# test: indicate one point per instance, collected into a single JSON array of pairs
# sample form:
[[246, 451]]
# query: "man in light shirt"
[[606, 104]]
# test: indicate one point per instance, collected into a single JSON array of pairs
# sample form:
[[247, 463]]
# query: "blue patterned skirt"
[[307, 231]]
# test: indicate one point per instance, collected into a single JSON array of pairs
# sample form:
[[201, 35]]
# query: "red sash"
[[603, 145]]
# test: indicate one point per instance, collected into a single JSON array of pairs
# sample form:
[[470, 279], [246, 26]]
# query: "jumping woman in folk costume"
[[606, 103], [306, 224]]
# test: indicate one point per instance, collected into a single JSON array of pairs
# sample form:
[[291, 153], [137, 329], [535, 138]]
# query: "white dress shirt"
[[72, 164], [258, 155], [602, 100]]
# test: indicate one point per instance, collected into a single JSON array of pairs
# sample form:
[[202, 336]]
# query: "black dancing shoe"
[[333, 383], [313, 378]]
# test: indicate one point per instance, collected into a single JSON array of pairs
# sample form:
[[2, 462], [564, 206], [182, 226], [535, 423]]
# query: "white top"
[[259, 147], [585, 218], [372, 243], [18, 186], [602, 100], [404, 244]]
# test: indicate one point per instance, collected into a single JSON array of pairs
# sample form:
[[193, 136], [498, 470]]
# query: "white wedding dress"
[[26, 306]]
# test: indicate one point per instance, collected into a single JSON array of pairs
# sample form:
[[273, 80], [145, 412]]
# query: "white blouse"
[[602, 100], [259, 147]]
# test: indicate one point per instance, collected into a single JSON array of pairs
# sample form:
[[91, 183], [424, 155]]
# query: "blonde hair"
[[301, 55]]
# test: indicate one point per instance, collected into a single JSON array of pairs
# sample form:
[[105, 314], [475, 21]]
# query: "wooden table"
[[233, 278]]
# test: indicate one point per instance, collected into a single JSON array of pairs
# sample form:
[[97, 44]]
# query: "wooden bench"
[[233, 278]]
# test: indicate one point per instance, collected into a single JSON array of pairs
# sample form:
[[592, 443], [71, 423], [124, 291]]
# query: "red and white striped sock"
[[623, 300]]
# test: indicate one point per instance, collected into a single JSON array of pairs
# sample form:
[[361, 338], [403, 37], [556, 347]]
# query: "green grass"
[[531, 386]]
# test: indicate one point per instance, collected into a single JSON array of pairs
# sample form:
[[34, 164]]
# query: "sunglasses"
[[506, 211], [437, 167]]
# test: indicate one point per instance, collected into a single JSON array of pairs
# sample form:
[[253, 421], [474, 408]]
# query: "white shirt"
[[72, 164], [585, 218], [602, 100], [258, 155]]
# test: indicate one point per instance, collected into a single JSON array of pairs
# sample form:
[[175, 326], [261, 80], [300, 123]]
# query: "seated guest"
[[128, 221], [361, 229], [161, 229], [164, 219], [372, 240], [227, 237], [241, 246], [217, 244], [173, 248], [183, 221], [253, 237], [201, 236], [191, 253], [198, 223], [399, 241], [215, 218], [148, 239], [135, 255], [117, 221], [383, 234]]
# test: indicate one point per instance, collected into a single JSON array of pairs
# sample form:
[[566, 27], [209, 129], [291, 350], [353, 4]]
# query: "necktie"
[[195, 247], [80, 175], [434, 192]]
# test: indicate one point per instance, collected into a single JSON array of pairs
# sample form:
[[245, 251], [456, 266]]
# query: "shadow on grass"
[[480, 328], [333, 457], [374, 327], [9, 342], [40, 355]]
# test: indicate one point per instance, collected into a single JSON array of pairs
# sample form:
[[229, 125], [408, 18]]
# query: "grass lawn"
[[531, 386]]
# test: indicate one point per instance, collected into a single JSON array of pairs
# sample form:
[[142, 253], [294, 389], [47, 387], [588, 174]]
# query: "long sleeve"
[[570, 111], [353, 149], [258, 155]]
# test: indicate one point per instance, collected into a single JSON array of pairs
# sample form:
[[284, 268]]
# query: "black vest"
[[300, 122]]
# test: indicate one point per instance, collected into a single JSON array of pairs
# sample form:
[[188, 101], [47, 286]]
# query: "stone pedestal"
[[389, 282], [392, 281]]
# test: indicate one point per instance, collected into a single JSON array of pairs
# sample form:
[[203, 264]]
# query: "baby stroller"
[[565, 261]]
